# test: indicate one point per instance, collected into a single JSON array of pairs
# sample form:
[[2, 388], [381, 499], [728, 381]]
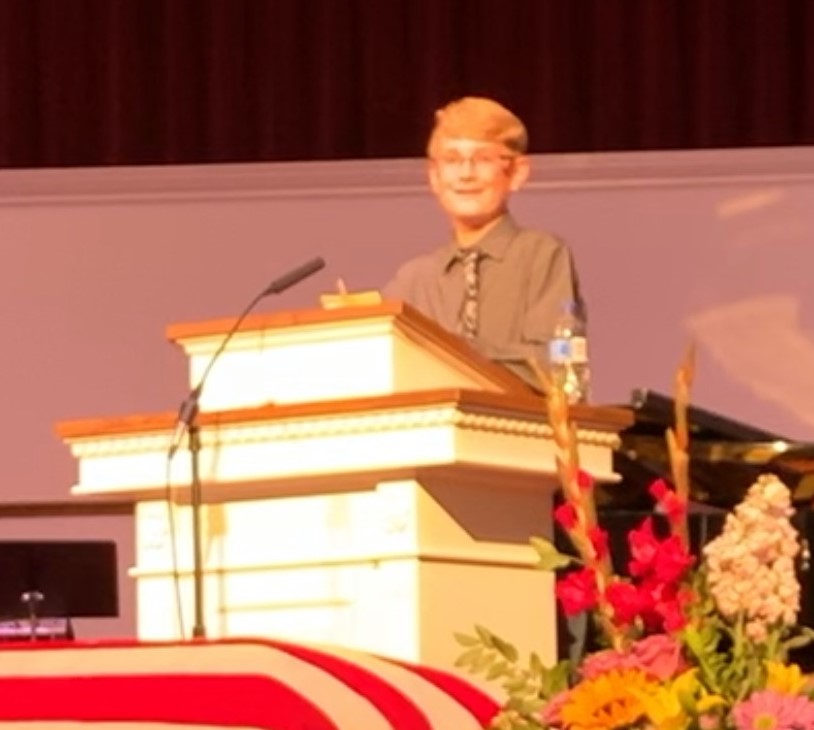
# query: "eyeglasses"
[[485, 161]]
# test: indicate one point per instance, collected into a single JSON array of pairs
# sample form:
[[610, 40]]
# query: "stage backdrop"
[[716, 245]]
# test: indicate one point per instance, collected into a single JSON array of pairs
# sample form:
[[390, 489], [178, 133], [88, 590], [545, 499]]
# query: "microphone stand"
[[196, 501], [188, 423], [31, 599]]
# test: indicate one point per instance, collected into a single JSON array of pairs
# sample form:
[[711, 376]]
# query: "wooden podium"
[[368, 481]]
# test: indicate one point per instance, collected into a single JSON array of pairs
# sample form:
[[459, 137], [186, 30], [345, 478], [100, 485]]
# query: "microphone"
[[188, 411], [295, 276]]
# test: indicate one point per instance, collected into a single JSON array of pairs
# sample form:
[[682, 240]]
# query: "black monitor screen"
[[76, 579]]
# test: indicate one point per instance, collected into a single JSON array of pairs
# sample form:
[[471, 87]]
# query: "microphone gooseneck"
[[188, 410]]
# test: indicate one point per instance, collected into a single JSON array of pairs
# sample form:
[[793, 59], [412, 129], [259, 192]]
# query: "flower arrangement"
[[689, 641]]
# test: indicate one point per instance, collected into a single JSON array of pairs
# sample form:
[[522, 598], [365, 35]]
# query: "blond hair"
[[476, 117]]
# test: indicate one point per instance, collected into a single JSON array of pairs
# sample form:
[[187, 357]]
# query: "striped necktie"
[[470, 260]]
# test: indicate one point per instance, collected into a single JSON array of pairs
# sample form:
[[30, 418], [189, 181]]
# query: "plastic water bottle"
[[568, 353]]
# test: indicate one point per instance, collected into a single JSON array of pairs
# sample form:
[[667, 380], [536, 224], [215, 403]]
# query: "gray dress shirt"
[[525, 278]]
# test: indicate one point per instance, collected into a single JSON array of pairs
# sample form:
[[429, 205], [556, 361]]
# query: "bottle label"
[[579, 350], [573, 350], [559, 351]]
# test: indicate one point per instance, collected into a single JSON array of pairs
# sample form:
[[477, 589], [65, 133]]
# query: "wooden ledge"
[[293, 318], [526, 406]]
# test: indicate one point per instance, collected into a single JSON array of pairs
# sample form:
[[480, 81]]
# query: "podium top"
[[181, 331], [387, 319]]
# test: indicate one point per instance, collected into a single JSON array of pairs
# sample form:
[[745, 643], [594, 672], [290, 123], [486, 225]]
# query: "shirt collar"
[[492, 245]]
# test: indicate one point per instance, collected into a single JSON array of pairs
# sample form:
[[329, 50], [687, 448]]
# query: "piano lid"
[[726, 455]]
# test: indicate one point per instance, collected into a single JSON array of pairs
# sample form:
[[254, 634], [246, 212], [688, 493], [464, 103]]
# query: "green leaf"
[[805, 632], [486, 636], [532, 706], [559, 675], [515, 685], [797, 642], [555, 679], [497, 670], [469, 657], [466, 640], [484, 661], [694, 641], [549, 558], [506, 649]]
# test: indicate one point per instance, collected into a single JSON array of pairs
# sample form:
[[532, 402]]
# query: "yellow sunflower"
[[608, 702]]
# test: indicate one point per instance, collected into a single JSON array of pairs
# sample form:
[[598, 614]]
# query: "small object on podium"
[[343, 298]]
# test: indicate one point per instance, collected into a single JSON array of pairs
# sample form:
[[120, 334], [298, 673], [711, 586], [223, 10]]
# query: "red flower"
[[577, 591], [668, 502], [644, 546], [671, 561], [625, 600], [674, 508], [599, 541], [663, 606], [656, 600], [673, 617], [585, 480], [658, 489], [655, 595], [648, 603], [566, 516], [674, 612], [667, 560]]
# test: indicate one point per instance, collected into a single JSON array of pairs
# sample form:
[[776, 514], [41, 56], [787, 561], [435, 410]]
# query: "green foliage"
[[548, 557], [730, 664], [528, 687], [802, 638]]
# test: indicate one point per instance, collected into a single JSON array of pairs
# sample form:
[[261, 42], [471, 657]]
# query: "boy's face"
[[473, 179]]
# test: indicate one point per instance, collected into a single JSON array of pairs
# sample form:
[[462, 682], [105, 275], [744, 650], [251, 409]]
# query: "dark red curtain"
[[100, 82]]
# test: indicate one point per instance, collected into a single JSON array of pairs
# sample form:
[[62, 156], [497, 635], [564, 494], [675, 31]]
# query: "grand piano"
[[726, 457]]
